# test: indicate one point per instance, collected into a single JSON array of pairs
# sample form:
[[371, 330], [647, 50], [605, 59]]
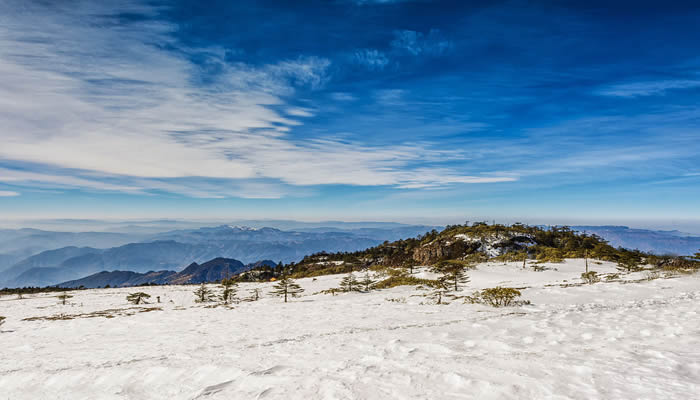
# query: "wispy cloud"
[[647, 88], [418, 43], [342, 96], [8, 193], [92, 101], [371, 58]]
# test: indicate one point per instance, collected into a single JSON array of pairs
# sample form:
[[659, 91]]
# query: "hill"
[[210, 271], [476, 243], [175, 250]]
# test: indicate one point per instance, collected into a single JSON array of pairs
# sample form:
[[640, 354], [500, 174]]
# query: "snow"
[[612, 340]]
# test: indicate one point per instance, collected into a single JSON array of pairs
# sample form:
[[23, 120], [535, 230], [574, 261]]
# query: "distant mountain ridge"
[[210, 271], [175, 250], [658, 242]]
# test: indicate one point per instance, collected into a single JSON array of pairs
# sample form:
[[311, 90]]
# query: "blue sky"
[[392, 110]]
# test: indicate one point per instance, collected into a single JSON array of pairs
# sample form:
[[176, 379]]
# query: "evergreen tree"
[[349, 283], [367, 282], [230, 287], [438, 294], [286, 287], [410, 264], [255, 294], [203, 294], [628, 261], [138, 298], [453, 273], [63, 297]]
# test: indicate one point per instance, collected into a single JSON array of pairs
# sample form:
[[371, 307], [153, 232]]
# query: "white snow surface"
[[636, 340]]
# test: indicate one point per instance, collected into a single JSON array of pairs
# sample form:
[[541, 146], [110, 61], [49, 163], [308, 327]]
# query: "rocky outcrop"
[[462, 245], [431, 253]]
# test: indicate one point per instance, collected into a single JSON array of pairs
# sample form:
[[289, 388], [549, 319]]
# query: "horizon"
[[690, 228], [386, 110]]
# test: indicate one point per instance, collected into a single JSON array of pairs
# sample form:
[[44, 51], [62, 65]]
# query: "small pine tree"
[[350, 283], [453, 273], [628, 262], [367, 282], [437, 295], [2, 320], [286, 287], [230, 289], [255, 294], [63, 297], [138, 298], [590, 277], [410, 265], [203, 294]]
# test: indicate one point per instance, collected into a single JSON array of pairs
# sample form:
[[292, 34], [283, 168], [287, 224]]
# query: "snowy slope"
[[608, 340]]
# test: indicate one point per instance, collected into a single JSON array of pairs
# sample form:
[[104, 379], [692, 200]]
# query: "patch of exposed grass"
[[405, 280]]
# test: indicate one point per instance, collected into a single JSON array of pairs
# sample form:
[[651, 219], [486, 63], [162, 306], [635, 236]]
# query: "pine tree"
[[255, 294], [203, 294], [367, 282], [410, 264], [438, 294], [138, 298], [286, 287], [628, 262], [63, 297], [349, 283], [230, 289], [2, 320], [453, 273]]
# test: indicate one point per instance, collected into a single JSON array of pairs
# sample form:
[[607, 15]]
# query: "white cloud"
[[418, 43], [342, 96], [7, 193], [300, 112], [89, 102], [648, 88], [371, 58]]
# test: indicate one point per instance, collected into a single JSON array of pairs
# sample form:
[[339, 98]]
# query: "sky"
[[384, 110]]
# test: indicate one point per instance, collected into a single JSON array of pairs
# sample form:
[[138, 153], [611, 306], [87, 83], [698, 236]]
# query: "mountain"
[[210, 271], [476, 243], [175, 249], [23, 243], [136, 257], [48, 259], [657, 242], [119, 279]]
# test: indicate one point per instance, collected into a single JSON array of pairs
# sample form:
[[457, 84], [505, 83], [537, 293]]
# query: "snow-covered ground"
[[638, 340]]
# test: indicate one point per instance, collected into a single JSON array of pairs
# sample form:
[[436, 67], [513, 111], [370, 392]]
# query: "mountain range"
[[28, 258], [175, 250], [210, 271]]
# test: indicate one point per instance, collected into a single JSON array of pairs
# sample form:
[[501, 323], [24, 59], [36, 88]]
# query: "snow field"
[[609, 340]]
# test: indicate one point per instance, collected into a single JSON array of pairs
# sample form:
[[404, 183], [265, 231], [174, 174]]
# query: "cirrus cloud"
[[94, 101]]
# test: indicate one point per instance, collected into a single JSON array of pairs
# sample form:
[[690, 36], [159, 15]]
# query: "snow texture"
[[638, 339]]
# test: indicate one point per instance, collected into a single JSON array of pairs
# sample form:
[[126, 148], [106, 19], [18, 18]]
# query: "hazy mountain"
[[210, 271], [6, 261], [47, 259], [659, 242], [23, 243], [119, 278], [174, 250]]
